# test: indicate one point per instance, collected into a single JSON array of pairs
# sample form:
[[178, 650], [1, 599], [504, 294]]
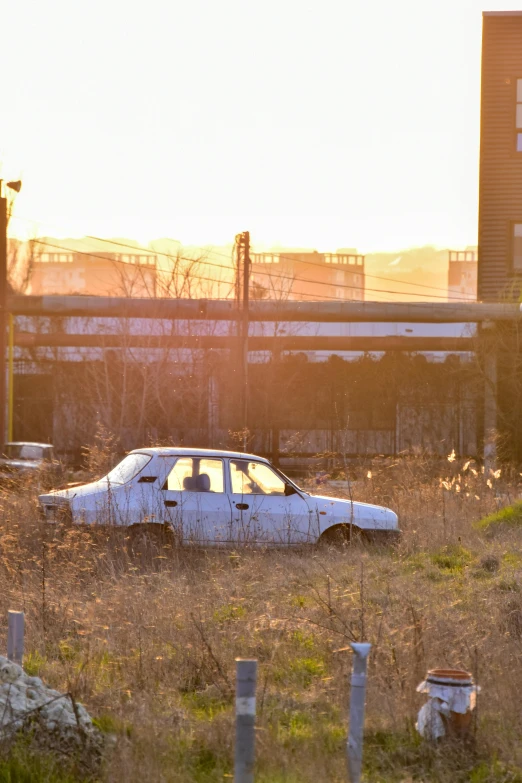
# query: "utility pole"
[[3, 313], [243, 291], [4, 215]]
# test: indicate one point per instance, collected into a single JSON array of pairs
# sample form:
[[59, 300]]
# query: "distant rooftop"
[[501, 13]]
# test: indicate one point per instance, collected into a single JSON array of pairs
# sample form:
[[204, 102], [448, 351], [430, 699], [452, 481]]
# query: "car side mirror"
[[290, 490]]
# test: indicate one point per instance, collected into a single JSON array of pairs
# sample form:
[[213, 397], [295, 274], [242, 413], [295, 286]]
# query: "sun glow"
[[321, 124]]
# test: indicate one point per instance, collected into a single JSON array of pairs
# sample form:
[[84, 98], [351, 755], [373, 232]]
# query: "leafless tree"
[[21, 254], [154, 390]]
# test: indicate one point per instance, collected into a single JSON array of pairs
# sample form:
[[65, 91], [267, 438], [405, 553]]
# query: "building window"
[[519, 115], [517, 248]]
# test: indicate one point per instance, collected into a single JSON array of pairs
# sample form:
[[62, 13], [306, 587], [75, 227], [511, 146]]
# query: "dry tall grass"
[[148, 641]]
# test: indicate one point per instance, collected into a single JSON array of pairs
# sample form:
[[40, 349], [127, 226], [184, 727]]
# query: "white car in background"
[[215, 497]]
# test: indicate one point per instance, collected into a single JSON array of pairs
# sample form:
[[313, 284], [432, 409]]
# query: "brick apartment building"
[[462, 274], [308, 275], [95, 274]]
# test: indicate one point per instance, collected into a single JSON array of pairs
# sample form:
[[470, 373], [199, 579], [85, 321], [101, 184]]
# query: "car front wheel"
[[342, 535]]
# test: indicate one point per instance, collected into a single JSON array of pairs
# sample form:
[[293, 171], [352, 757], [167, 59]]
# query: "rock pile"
[[23, 697], [53, 721]]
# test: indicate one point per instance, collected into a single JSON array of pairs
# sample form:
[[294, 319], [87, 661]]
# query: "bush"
[[510, 516]]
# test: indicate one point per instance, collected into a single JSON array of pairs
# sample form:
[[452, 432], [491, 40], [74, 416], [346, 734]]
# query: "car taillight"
[[57, 513]]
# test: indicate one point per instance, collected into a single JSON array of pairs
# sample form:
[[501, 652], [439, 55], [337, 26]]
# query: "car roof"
[[28, 443], [185, 451]]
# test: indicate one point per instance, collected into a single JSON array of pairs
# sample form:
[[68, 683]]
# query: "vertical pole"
[[15, 636], [10, 391], [490, 404], [239, 326], [244, 335], [357, 703], [274, 401], [246, 678], [213, 407], [3, 303]]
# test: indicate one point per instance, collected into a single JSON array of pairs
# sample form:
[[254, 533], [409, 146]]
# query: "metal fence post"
[[15, 636], [357, 702], [246, 677]]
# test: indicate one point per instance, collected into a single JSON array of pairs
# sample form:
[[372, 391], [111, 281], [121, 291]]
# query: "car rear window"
[[128, 468], [24, 451]]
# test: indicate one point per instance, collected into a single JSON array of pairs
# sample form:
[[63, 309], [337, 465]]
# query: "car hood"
[[361, 514]]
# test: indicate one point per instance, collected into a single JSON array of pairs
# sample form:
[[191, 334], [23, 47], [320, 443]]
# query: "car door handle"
[[170, 503], [242, 506]]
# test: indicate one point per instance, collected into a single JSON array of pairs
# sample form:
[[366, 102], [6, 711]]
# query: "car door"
[[195, 502], [140, 501], [262, 511], [127, 494]]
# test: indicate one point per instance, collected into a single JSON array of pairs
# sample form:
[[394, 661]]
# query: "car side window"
[[194, 474], [254, 478]]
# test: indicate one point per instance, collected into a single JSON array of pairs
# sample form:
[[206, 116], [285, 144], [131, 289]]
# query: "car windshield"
[[128, 468], [24, 451], [289, 481]]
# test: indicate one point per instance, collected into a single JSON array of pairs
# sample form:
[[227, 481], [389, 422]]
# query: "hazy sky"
[[331, 123]]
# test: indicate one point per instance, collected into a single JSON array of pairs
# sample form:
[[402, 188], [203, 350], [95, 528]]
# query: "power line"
[[277, 276], [305, 280], [258, 272], [375, 277], [66, 249], [321, 266]]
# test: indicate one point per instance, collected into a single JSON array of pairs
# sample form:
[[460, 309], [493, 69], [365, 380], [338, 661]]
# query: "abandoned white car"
[[214, 497]]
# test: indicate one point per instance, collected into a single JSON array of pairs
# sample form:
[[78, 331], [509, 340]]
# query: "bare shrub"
[[101, 455]]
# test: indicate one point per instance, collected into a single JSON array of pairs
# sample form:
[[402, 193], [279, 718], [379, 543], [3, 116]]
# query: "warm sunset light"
[[261, 391], [312, 124]]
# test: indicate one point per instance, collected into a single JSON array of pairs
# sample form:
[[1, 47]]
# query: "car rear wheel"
[[152, 540]]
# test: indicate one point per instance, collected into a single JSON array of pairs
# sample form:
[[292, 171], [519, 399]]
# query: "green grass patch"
[[387, 755], [304, 640], [69, 650], [110, 724], [512, 559], [229, 613], [300, 601], [34, 663], [300, 672], [322, 730], [26, 767], [205, 705], [508, 585], [509, 516], [200, 762], [452, 559], [413, 563]]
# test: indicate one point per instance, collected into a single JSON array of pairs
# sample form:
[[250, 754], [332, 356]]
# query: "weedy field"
[[147, 640]]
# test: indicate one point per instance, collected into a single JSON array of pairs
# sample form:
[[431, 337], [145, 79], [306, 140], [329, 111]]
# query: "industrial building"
[[500, 194]]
